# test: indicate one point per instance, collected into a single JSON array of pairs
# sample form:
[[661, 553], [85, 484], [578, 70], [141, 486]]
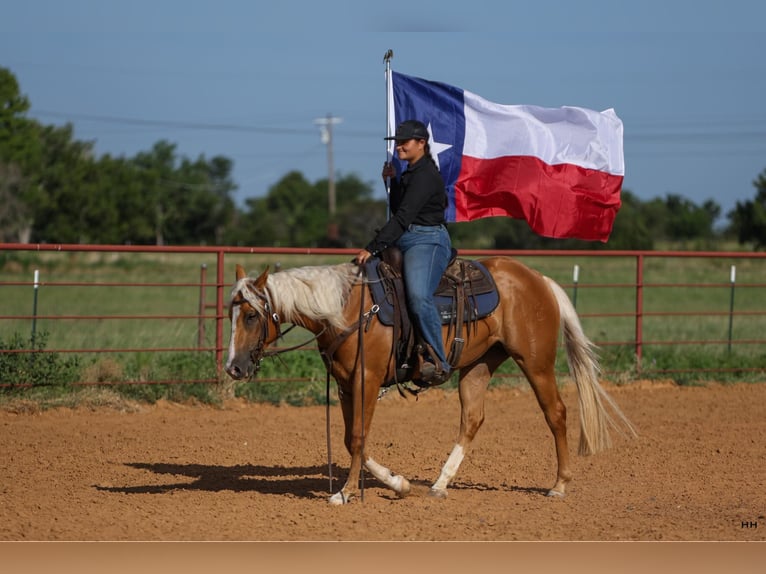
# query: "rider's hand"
[[362, 257], [388, 171]]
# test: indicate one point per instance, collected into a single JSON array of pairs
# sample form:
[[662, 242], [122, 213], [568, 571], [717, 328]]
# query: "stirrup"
[[430, 375]]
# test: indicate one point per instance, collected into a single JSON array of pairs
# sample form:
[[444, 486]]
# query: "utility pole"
[[325, 127]]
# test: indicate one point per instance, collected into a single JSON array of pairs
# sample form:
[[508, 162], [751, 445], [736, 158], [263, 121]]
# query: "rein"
[[273, 352], [360, 355], [364, 320]]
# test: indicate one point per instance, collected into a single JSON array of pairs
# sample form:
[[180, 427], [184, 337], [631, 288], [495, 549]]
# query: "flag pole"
[[389, 110]]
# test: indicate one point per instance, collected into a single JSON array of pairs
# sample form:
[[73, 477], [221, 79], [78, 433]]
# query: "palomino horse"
[[331, 301]]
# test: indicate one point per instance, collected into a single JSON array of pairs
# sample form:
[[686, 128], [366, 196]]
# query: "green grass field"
[[682, 291]]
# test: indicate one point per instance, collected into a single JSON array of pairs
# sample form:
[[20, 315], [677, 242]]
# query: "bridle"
[[259, 351]]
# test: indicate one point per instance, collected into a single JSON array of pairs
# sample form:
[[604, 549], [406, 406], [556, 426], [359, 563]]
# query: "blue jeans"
[[426, 252]]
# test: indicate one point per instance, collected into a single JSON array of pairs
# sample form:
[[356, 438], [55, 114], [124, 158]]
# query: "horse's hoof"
[[555, 494], [438, 493], [338, 499], [404, 487]]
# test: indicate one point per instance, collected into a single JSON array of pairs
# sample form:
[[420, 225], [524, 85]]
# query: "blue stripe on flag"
[[439, 106]]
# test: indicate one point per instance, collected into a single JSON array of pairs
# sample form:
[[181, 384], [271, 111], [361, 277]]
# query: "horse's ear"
[[241, 274], [260, 283]]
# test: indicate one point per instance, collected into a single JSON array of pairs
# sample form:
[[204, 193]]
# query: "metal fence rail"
[[204, 312]]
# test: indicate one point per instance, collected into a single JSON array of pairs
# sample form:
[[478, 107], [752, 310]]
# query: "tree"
[[199, 196], [19, 156], [688, 221], [189, 202], [54, 189], [632, 226], [293, 213], [639, 224], [67, 208], [748, 218], [14, 215], [127, 220], [155, 173], [299, 209], [494, 233], [14, 126], [358, 214]]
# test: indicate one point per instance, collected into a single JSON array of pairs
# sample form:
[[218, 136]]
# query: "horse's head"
[[254, 324]]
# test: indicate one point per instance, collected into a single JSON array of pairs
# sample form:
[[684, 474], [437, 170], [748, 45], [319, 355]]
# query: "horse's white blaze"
[[449, 470], [234, 318], [384, 475]]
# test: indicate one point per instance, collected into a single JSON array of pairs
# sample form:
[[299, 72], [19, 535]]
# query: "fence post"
[[575, 278], [219, 312], [639, 309], [202, 306], [733, 280]]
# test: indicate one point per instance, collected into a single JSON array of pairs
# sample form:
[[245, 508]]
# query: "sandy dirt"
[[258, 472]]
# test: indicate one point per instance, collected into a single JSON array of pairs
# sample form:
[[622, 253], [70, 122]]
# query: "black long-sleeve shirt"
[[418, 197]]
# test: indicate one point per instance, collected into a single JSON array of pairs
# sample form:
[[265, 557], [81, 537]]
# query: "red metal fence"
[[628, 279]]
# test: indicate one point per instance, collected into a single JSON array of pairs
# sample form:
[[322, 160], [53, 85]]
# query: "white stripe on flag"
[[573, 135]]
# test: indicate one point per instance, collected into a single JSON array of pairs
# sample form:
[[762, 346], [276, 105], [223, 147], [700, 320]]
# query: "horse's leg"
[[354, 437], [397, 483], [543, 383], [474, 380], [346, 398]]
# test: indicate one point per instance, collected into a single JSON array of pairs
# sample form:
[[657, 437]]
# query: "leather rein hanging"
[[364, 320]]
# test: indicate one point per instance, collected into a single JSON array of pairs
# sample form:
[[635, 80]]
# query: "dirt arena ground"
[[172, 472]]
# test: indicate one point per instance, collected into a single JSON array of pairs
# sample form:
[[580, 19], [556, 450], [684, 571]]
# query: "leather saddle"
[[466, 293]]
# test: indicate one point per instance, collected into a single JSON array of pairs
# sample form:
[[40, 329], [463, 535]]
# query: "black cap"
[[409, 130]]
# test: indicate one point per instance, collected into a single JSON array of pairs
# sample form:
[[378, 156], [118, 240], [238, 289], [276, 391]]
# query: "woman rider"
[[418, 200]]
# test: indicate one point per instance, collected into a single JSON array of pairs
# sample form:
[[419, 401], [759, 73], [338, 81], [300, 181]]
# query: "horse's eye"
[[250, 317]]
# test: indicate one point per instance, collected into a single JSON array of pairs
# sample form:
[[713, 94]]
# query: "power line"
[[175, 124], [697, 137], [639, 134]]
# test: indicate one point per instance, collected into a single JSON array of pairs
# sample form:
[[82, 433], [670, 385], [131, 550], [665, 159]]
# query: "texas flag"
[[559, 169]]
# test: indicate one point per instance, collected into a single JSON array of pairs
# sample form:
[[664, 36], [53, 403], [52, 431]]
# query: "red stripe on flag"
[[561, 201]]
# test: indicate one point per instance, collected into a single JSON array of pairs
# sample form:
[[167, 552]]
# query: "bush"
[[24, 364]]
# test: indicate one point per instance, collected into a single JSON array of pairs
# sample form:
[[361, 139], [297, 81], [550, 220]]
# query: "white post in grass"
[[34, 306], [732, 280]]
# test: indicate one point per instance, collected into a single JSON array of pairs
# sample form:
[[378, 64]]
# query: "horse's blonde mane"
[[317, 293]]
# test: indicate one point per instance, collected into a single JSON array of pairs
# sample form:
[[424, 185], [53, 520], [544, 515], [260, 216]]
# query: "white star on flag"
[[436, 148]]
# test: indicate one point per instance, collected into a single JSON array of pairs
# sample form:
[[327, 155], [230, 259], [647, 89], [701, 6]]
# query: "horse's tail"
[[595, 404]]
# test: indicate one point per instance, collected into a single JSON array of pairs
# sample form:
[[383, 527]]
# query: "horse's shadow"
[[299, 481]]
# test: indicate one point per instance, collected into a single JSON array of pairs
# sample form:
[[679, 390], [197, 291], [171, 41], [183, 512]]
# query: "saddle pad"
[[479, 306]]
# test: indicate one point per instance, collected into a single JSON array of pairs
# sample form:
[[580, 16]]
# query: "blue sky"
[[247, 80]]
